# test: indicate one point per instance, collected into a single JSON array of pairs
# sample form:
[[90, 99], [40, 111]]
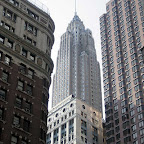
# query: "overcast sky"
[[62, 12]]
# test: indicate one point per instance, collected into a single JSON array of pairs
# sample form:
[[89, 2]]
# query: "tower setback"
[[77, 70]]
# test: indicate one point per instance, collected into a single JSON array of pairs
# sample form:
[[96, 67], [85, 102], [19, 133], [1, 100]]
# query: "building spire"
[[75, 8]]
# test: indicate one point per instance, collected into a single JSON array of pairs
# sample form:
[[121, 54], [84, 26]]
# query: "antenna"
[[75, 8]]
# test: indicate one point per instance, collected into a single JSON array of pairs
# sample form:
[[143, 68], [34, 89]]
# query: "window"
[[32, 14], [7, 60], [29, 89], [10, 44], [24, 142], [30, 73], [32, 57], [26, 125], [23, 68], [19, 102], [20, 85], [3, 94], [24, 52], [0, 55], [14, 140], [28, 107], [5, 76], [2, 38], [1, 113], [16, 121]]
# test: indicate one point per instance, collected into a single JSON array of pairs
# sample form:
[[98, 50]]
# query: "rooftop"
[[40, 5]]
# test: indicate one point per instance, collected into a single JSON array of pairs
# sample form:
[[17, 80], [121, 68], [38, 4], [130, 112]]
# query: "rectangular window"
[[10, 44], [9, 14], [1, 113], [16, 121], [29, 89], [5, 76], [26, 125], [19, 102], [24, 142], [24, 53], [14, 140], [30, 73], [29, 40], [32, 57], [7, 60], [21, 85], [2, 38], [3, 94], [23, 68], [7, 27], [28, 107]]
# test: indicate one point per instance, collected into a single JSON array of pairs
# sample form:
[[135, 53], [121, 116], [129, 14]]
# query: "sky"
[[62, 13]]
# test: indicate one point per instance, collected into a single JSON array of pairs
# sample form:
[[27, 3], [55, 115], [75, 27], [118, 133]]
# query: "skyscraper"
[[77, 70], [26, 39], [122, 34]]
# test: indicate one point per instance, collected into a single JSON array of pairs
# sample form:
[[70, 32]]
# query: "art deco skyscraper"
[[26, 40], [77, 71], [122, 34]]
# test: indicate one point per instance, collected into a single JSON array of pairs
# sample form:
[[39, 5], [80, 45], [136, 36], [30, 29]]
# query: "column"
[[67, 131], [59, 137], [1, 12], [52, 137]]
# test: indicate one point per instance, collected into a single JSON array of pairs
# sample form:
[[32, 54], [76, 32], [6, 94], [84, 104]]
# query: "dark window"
[[16, 121], [29, 89], [32, 57], [20, 85], [19, 102], [23, 68], [24, 52], [42, 134], [32, 14], [10, 44], [1, 113], [5, 76], [29, 40], [28, 107], [26, 125], [3, 94]]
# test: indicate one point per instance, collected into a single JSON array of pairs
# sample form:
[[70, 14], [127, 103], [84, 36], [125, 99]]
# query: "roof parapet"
[[40, 5]]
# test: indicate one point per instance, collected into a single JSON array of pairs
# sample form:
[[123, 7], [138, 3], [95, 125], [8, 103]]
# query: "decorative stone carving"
[[39, 61], [17, 48]]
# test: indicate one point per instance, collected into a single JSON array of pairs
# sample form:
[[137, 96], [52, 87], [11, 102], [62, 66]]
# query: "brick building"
[[26, 39]]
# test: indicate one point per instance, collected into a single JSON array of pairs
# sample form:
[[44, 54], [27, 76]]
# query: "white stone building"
[[72, 121]]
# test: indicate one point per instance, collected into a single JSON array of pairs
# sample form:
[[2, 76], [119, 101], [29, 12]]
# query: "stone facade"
[[77, 71], [73, 121]]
